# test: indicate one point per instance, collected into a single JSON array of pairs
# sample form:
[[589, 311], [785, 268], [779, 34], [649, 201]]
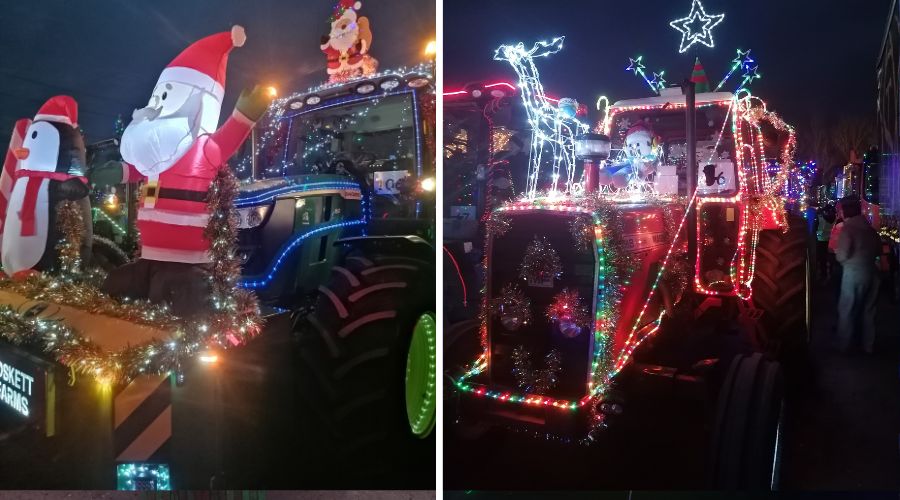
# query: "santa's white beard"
[[344, 40], [153, 146]]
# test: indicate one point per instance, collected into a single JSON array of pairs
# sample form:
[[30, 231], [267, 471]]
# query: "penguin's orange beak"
[[21, 153]]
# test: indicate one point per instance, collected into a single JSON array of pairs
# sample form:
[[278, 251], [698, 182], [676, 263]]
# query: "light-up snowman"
[[640, 160]]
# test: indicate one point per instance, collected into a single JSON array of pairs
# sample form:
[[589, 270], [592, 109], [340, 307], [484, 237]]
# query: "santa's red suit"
[[338, 61], [172, 211]]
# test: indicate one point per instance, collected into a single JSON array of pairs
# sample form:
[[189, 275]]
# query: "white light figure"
[[550, 127]]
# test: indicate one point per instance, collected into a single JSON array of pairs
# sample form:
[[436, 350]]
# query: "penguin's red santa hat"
[[59, 109], [203, 63]]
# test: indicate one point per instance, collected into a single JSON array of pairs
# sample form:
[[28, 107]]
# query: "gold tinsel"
[[71, 226], [233, 320]]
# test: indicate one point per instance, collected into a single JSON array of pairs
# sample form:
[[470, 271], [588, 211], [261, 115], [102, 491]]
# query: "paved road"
[[841, 433]]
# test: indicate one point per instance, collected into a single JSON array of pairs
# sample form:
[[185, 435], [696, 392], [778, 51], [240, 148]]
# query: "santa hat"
[[343, 6], [203, 63], [59, 109]]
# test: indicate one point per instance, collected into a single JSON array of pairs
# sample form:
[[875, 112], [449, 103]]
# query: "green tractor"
[[338, 229]]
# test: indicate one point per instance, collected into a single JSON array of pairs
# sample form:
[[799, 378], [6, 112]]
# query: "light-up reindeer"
[[549, 125]]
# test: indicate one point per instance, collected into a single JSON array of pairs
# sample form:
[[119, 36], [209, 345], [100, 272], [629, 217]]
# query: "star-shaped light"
[[658, 81], [635, 65], [749, 75], [743, 58], [704, 34]]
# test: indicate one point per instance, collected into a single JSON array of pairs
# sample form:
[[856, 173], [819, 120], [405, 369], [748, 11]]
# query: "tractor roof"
[[672, 98]]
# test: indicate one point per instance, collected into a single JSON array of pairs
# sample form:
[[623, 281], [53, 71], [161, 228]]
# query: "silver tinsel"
[[536, 381]]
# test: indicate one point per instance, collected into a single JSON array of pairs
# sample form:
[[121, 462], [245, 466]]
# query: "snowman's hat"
[[203, 63], [639, 127], [59, 109]]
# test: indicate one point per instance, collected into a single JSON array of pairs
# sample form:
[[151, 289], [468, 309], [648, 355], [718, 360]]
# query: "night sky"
[[813, 58], [108, 54]]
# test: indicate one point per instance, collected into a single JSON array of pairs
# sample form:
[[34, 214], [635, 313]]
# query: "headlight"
[[252, 216]]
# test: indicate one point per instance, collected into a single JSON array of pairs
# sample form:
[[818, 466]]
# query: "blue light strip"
[[418, 148], [418, 135], [290, 247], [268, 195]]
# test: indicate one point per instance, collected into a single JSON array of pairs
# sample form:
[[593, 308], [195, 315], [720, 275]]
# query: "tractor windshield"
[[667, 128], [378, 134]]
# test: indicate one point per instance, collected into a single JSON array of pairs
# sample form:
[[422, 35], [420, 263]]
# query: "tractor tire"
[[781, 289], [356, 352], [106, 255], [746, 439]]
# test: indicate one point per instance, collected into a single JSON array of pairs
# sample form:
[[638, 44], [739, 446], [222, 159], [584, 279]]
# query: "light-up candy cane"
[[637, 67], [548, 124], [743, 60], [602, 104]]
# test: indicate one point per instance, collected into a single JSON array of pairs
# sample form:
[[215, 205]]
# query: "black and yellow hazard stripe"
[[142, 418]]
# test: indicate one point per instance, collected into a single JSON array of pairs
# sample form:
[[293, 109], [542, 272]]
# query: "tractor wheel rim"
[[421, 373]]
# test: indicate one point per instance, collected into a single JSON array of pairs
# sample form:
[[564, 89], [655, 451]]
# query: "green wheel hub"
[[421, 376]]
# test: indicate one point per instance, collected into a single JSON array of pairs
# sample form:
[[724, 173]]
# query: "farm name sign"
[[16, 387]]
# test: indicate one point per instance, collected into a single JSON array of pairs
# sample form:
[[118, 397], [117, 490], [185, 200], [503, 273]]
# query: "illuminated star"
[[704, 34], [751, 74], [658, 81], [635, 65], [743, 59]]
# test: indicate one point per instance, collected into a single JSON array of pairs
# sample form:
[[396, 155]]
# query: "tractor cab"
[[663, 117], [339, 161]]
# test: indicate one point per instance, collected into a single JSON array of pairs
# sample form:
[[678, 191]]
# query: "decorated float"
[[631, 239], [161, 373]]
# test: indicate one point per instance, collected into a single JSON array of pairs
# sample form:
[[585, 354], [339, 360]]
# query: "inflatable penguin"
[[50, 170]]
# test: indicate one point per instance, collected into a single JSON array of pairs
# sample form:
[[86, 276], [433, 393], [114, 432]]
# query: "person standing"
[[857, 250], [823, 234]]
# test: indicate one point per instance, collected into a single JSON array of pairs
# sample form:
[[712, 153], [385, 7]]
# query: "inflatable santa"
[[49, 169], [173, 146], [347, 45]]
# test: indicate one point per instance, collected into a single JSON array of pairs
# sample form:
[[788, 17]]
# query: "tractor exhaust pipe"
[[690, 113]]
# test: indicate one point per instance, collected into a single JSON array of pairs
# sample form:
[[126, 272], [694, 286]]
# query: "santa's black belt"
[[180, 194]]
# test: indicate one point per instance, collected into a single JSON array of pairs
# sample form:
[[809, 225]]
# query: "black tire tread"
[[350, 375], [780, 287], [746, 418]]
